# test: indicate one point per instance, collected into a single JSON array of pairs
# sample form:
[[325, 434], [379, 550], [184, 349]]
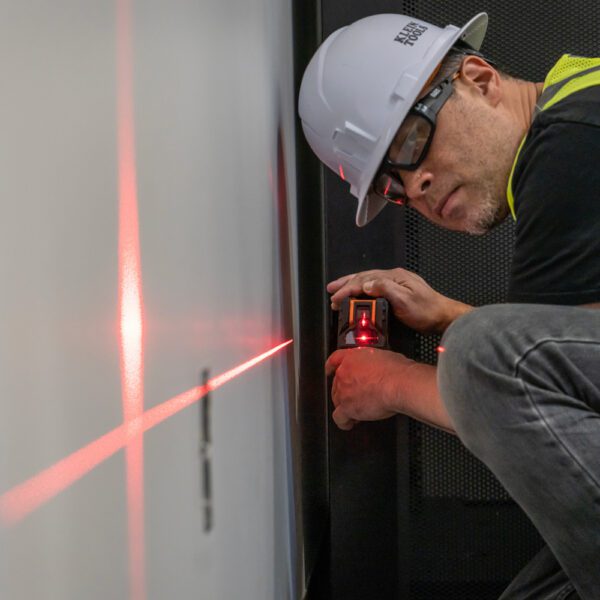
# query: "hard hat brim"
[[473, 33]]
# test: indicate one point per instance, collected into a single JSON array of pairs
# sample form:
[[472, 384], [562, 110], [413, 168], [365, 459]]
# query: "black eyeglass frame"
[[428, 107]]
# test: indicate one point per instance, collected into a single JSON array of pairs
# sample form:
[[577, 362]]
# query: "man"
[[413, 114]]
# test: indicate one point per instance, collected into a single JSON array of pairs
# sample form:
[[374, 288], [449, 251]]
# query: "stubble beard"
[[493, 170], [486, 216], [492, 207]]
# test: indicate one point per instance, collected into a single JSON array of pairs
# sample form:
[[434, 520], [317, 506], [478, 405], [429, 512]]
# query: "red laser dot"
[[441, 349]]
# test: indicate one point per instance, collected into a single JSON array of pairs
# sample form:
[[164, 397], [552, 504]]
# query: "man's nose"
[[416, 183]]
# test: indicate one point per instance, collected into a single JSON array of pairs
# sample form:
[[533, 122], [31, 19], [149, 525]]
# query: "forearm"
[[416, 394]]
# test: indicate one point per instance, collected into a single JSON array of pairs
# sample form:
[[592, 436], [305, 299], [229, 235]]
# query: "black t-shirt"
[[556, 186]]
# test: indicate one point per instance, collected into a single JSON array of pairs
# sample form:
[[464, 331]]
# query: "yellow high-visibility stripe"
[[509, 192], [576, 85]]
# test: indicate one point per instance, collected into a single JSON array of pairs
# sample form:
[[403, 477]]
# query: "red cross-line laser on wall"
[[20, 501], [23, 499]]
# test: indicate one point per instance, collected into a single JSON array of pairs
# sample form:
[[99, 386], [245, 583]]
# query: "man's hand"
[[413, 301], [365, 384]]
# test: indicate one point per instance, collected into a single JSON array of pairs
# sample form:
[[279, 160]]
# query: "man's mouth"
[[440, 205]]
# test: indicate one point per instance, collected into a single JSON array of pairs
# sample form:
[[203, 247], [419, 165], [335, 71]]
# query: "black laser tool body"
[[363, 322]]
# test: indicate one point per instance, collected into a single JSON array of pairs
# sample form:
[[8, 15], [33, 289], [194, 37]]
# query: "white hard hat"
[[359, 87]]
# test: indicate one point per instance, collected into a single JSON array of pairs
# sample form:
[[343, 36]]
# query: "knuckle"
[[365, 274]]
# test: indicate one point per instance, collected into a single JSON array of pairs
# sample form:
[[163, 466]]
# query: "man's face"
[[461, 184]]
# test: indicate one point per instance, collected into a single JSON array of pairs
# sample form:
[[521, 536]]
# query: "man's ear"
[[481, 79]]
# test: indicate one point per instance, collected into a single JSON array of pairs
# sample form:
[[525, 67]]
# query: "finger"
[[334, 286], [342, 420], [352, 287], [334, 361]]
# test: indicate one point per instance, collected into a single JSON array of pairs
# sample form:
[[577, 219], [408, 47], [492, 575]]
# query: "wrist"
[[417, 396], [395, 383], [453, 310]]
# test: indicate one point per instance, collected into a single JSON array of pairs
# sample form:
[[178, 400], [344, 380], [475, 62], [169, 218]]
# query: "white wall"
[[210, 78]]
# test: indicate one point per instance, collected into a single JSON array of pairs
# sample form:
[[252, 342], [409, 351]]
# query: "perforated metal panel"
[[467, 537], [456, 534], [526, 37], [474, 270]]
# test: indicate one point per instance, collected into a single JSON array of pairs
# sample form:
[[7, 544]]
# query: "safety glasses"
[[411, 142]]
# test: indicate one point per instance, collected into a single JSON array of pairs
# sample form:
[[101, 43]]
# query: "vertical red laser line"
[[131, 332]]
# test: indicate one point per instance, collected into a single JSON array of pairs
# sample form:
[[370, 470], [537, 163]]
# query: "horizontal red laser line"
[[26, 497]]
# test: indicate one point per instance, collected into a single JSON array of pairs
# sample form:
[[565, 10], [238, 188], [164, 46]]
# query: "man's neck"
[[520, 100]]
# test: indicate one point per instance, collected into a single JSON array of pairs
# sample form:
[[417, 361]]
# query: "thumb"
[[342, 420]]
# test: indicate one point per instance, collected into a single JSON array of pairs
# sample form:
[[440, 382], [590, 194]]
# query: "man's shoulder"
[[557, 202], [557, 157], [579, 107], [573, 120]]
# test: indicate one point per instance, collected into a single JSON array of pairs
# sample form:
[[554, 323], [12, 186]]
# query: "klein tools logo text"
[[410, 33]]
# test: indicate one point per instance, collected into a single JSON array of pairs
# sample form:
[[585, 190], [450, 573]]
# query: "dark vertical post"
[[312, 393]]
